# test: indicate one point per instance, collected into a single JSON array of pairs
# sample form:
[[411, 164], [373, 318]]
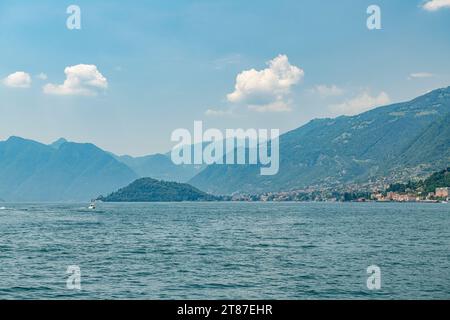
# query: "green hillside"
[[151, 190], [439, 179]]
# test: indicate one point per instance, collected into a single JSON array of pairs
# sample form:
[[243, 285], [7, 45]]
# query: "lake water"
[[225, 250]]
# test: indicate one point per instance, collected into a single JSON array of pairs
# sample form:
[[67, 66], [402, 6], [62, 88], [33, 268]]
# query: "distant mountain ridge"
[[394, 142], [161, 167], [31, 171]]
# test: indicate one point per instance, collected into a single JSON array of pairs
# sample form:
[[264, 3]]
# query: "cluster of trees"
[[439, 179], [151, 190], [353, 196]]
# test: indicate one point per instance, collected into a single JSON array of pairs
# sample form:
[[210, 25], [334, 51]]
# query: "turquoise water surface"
[[225, 250]]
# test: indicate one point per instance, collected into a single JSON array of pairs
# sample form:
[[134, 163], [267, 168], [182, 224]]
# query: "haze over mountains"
[[161, 167], [66, 171], [391, 143]]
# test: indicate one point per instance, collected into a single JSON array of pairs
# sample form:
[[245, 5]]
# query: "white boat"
[[92, 206]]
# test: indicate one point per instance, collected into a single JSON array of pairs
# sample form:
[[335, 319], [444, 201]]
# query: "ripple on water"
[[224, 250]]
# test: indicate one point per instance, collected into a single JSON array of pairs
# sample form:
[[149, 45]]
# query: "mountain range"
[[388, 144], [66, 171], [31, 171]]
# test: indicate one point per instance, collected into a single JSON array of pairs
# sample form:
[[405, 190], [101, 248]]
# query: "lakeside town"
[[434, 189], [440, 195]]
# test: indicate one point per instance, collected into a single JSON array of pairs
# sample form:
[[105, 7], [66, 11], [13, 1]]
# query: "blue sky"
[[160, 65]]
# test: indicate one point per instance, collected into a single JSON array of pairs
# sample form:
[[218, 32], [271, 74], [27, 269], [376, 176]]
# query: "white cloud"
[[81, 79], [327, 91], [420, 75], [434, 5], [267, 89], [42, 76], [277, 106], [218, 113], [18, 79], [223, 62], [360, 103]]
